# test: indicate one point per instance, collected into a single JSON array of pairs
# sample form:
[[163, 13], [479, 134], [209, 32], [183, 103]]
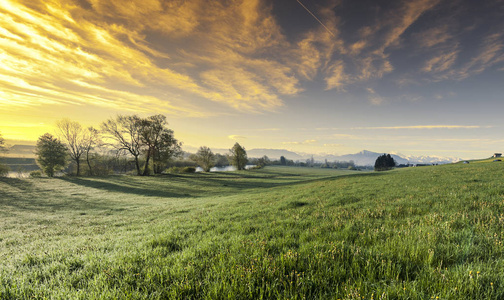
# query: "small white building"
[[497, 155]]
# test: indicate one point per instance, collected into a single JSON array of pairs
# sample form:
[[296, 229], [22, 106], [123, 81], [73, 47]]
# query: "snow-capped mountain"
[[426, 159], [362, 158]]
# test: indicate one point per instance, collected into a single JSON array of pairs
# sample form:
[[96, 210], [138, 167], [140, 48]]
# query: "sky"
[[418, 77]]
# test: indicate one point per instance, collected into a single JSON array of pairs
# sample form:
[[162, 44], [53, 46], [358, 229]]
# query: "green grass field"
[[276, 233]]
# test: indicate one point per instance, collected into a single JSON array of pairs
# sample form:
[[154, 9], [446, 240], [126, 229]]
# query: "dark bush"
[[189, 170]]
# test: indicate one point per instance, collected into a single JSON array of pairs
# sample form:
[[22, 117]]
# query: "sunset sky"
[[419, 77]]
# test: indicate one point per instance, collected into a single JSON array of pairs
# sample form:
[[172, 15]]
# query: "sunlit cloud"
[[269, 129], [434, 36], [424, 127], [41, 68], [490, 54], [233, 53], [448, 66], [441, 63], [69, 44], [305, 142], [235, 137], [343, 136], [337, 77]]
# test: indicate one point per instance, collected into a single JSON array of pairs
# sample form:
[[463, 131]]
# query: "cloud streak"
[[419, 127], [195, 58], [305, 142]]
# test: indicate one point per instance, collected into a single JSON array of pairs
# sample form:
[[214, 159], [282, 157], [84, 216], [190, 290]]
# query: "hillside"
[[21, 151], [275, 233]]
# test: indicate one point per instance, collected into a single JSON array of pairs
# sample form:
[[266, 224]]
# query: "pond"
[[12, 174]]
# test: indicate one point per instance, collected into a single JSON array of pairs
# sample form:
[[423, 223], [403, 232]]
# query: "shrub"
[[51, 154], [35, 174], [173, 170], [4, 170], [189, 170]]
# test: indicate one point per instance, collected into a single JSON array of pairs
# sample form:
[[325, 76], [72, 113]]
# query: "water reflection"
[[224, 169], [18, 174]]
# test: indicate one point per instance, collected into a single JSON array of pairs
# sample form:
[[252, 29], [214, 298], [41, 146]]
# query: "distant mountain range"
[[363, 158], [25, 151]]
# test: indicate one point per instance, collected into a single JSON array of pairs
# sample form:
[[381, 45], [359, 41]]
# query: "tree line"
[[3, 168], [147, 142]]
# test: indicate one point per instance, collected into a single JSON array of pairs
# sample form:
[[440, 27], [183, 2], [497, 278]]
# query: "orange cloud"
[[47, 48], [441, 63]]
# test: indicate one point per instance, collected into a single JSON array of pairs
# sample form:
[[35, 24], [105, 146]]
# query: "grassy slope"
[[412, 233]]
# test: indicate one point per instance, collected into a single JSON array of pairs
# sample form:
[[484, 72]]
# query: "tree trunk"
[[137, 165], [88, 163], [146, 168], [78, 166]]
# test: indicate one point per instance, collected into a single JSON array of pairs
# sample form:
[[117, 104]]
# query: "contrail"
[[315, 17]]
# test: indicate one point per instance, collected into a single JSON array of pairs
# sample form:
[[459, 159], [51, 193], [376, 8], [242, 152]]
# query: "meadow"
[[274, 233]]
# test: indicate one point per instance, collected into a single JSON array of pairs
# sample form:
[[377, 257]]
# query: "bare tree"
[[74, 136], [126, 131], [92, 140], [160, 144], [204, 158]]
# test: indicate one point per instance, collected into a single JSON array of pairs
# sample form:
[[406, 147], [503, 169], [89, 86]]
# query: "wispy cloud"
[[434, 36], [305, 142], [45, 53], [424, 127], [441, 63], [231, 53], [490, 54], [336, 76], [236, 137], [446, 65], [48, 47]]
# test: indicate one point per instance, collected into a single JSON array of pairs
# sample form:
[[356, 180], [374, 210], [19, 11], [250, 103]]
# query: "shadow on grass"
[[21, 194], [128, 187], [241, 181], [54, 195], [199, 184]]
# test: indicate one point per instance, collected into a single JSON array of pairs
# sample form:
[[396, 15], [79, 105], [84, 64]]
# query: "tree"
[[126, 131], [263, 161], [4, 170], [92, 139], [74, 136], [51, 154], [238, 156], [221, 160], [283, 161], [204, 158], [165, 149], [159, 142], [384, 162], [2, 144], [148, 136]]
